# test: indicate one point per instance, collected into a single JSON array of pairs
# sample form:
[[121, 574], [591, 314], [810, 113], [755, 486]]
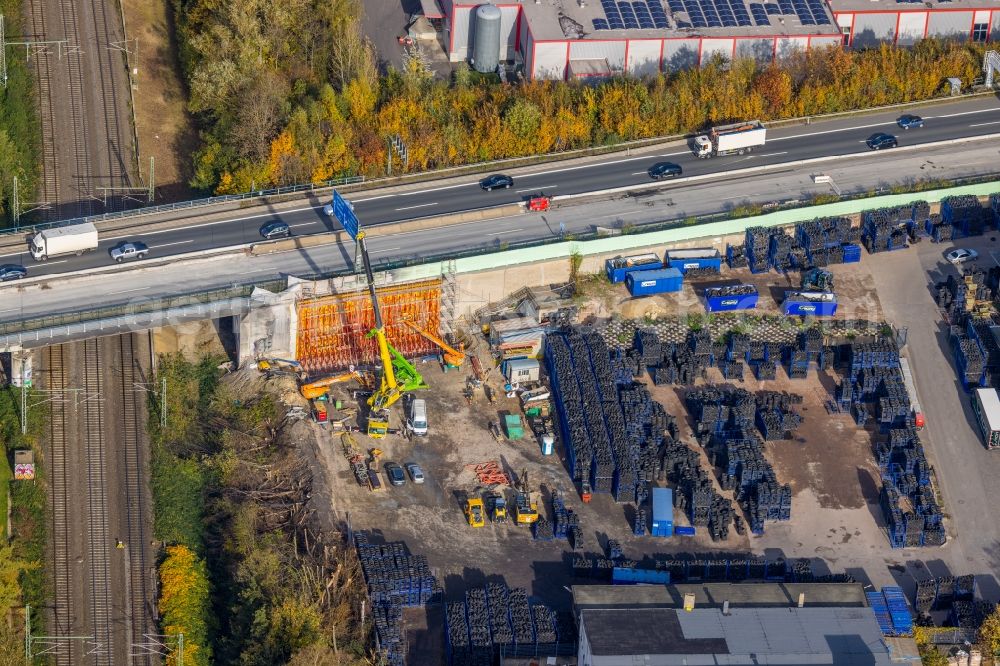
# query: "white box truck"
[[73, 239], [737, 138]]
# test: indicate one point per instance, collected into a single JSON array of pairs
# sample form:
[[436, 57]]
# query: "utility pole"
[[15, 204], [163, 405], [152, 179]]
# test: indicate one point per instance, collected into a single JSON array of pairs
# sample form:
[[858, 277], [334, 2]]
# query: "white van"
[[418, 417]]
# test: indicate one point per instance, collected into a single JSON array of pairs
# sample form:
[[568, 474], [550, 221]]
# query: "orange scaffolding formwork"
[[333, 329]]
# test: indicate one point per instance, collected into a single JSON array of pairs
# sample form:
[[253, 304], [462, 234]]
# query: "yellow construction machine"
[[281, 366], [525, 508], [475, 514], [315, 389], [398, 375], [453, 358]]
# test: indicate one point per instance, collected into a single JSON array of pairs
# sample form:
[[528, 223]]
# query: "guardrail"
[[477, 167], [186, 205]]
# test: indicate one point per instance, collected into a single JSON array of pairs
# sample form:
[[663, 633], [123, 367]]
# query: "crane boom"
[[398, 374], [452, 357]]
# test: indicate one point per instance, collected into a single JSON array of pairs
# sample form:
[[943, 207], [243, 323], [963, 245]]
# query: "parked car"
[[395, 474], [129, 250], [910, 121], [961, 255], [665, 170], [416, 473], [496, 181], [12, 272], [881, 140], [273, 230]]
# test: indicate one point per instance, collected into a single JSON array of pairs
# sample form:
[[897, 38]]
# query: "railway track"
[[77, 104], [110, 74], [98, 540], [49, 191], [55, 380], [139, 611]]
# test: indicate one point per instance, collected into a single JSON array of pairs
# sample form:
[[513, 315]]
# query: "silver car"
[[129, 250], [961, 255], [416, 473]]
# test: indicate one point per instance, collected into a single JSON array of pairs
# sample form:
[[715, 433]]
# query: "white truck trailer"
[[911, 390], [737, 138], [73, 239]]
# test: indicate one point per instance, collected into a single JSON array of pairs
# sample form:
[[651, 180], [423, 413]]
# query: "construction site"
[[523, 445]]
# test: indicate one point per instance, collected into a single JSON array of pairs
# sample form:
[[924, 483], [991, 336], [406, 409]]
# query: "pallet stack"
[[394, 579], [885, 229], [495, 619], [965, 215], [757, 246], [736, 256]]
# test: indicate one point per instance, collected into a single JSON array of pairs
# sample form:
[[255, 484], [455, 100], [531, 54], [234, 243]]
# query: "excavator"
[[453, 358], [525, 508]]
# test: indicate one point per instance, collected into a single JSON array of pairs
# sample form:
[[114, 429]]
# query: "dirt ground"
[[828, 464], [164, 127]]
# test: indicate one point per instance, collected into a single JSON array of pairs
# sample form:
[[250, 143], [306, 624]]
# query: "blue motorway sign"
[[342, 209]]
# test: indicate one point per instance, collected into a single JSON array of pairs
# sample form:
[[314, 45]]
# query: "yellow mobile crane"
[[453, 358], [398, 374]]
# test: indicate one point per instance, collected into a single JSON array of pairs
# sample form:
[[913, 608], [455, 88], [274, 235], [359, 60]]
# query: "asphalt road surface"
[[123, 285], [831, 138]]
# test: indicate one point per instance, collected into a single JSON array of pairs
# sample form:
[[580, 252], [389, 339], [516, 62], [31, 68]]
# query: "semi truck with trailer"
[[61, 241], [737, 138]]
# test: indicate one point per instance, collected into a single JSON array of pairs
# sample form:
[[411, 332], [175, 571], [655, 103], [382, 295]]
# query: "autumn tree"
[[185, 604], [989, 633]]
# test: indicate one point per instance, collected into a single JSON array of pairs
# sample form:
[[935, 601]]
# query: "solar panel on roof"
[[660, 22], [616, 23], [600, 24]]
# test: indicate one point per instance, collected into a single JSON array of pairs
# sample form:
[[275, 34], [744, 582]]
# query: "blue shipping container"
[[623, 576], [852, 253], [619, 267], [684, 530], [730, 303], [643, 283], [695, 258], [796, 304], [663, 512]]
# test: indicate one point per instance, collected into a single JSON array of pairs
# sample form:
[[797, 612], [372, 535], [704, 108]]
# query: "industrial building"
[[866, 23], [595, 39], [721, 623]]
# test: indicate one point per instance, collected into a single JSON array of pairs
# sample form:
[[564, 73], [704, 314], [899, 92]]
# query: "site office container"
[[986, 406], [619, 267], [700, 257], [644, 283], [818, 304], [729, 303], [663, 512]]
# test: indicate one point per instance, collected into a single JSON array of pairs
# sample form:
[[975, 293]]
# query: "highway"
[[844, 136], [123, 285]]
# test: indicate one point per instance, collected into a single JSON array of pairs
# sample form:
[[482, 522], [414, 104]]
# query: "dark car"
[[395, 474], [910, 121], [665, 170], [881, 140], [275, 230], [12, 272], [129, 250], [496, 181]]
